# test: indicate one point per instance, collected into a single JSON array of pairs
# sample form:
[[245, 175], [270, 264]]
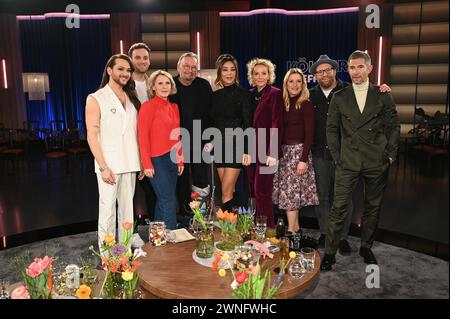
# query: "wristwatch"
[[101, 169]]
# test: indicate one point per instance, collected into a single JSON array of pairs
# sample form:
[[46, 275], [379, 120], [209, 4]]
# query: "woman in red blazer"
[[267, 121]]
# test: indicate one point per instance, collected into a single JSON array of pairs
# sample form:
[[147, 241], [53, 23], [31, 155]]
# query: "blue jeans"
[[164, 183]]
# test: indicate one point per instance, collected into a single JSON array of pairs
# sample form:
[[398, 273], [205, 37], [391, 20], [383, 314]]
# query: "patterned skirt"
[[291, 191]]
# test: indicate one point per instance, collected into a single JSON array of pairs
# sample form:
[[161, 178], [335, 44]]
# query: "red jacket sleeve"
[[145, 122]]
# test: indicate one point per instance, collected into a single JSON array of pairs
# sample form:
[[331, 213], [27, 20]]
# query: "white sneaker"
[[136, 241]]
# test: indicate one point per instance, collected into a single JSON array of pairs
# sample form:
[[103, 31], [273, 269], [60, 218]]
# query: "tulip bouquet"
[[245, 222], [230, 235], [250, 283], [199, 218], [120, 264]]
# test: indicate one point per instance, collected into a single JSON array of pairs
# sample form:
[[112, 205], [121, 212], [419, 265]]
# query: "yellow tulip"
[[127, 275]]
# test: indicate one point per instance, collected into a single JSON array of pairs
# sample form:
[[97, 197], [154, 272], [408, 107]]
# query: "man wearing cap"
[[325, 69], [363, 131]]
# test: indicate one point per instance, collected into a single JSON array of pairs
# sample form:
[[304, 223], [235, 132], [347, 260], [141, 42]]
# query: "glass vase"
[[205, 243], [229, 240]]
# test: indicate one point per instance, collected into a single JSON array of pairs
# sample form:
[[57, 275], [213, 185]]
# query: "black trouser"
[[193, 174], [374, 181], [150, 196], [325, 180]]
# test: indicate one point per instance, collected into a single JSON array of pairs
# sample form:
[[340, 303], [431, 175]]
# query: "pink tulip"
[[35, 269], [127, 225], [46, 262]]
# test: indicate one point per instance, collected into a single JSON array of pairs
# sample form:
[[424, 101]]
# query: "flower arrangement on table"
[[205, 237], [230, 234], [245, 222], [120, 264], [251, 283], [37, 279]]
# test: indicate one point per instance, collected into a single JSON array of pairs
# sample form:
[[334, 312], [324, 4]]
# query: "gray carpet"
[[403, 273]]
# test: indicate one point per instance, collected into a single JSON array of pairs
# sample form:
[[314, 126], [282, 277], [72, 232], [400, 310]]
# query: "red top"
[[157, 119], [299, 126]]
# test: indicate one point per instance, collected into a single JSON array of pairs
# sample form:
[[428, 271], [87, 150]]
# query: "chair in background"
[[57, 125], [54, 145], [16, 147], [432, 139], [3, 139], [75, 146], [34, 139]]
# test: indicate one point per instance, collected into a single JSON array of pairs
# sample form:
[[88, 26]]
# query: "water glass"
[[252, 205], [296, 269], [308, 256], [261, 227]]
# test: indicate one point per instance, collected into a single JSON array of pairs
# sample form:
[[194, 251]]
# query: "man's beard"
[[327, 85], [117, 80]]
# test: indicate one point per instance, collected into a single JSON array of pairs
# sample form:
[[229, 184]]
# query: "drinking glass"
[[284, 248], [261, 227], [296, 269], [308, 257], [252, 205]]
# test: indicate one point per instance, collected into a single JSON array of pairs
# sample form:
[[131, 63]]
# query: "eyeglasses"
[[190, 68], [321, 72]]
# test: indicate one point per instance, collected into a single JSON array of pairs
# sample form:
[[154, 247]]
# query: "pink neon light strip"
[[5, 78], [63, 15], [121, 47], [379, 59], [286, 12], [198, 49]]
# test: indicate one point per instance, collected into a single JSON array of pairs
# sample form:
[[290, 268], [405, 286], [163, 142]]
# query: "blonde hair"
[[304, 93], [258, 61], [151, 82]]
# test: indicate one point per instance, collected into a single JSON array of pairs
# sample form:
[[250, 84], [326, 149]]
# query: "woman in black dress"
[[230, 110]]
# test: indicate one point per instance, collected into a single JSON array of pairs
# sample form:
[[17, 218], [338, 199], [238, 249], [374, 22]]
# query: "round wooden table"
[[170, 272]]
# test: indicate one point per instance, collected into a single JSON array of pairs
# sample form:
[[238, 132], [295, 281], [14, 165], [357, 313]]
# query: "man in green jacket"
[[363, 132]]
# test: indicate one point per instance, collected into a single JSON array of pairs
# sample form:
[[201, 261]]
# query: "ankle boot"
[[228, 206]]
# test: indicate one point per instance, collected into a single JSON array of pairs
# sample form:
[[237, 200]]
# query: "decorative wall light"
[[36, 84]]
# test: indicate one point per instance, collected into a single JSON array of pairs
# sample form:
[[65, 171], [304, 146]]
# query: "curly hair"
[[258, 61], [152, 79]]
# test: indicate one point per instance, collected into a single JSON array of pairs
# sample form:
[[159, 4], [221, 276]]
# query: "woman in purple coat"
[[267, 121]]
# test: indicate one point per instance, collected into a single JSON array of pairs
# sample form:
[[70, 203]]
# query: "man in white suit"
[[111, 122]]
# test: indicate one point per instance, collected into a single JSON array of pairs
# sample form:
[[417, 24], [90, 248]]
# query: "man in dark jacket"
[[363, 131], [193, 98], [324, 69]]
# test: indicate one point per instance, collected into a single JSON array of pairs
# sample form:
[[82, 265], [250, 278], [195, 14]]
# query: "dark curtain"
[[74, 60], [289, 40]]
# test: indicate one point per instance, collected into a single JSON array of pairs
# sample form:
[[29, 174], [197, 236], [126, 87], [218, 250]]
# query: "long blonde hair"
[[304, 93]]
